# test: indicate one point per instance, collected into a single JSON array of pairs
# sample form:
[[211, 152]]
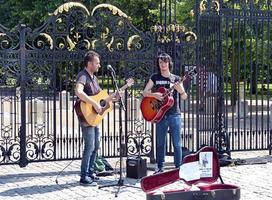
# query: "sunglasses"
[[164, 58]]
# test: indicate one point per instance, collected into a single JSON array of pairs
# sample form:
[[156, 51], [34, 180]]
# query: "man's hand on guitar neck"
[[179, 87], [117, 95]]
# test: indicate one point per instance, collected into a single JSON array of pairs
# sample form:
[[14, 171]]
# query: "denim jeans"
[[173, 122], [91, 136]]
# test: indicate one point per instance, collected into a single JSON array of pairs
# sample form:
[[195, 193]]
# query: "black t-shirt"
[[160, 81], [91, 86]]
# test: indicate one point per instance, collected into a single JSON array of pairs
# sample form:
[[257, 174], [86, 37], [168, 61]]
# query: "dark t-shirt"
[[160, 81], [91, 86]]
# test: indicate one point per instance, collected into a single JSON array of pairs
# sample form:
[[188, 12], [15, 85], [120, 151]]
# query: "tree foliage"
[[144, 13], [29, 12]]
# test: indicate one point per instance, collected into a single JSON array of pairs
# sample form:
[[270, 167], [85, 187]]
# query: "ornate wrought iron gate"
[[227, 102], [234, 52], [38, 70]]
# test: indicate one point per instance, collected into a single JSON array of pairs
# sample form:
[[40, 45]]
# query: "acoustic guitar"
[[153, 110], [88, 114]]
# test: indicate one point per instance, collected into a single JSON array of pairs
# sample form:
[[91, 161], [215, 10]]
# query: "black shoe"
[[93, 177], [158, 171], [86, 180]]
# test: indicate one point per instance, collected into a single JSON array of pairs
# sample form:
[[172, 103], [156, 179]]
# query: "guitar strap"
[[173, 80], [94, 84], [95, 87]]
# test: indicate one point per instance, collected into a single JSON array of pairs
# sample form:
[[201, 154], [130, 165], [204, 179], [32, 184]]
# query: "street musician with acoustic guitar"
[[156, 89], [87, 88]]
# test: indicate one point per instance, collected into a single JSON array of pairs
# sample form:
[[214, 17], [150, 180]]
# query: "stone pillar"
[[133, 108], [35, 111], [242, 104], [210, 105], [184, 105], [270, 115], [7, 110], [63, 96], [39, 108], [241, 93], [242, 109]]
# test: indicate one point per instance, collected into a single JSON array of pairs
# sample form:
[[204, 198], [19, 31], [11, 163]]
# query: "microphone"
[[109, 67]]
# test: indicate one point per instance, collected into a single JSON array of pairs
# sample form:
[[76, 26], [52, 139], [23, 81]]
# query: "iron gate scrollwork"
[[38, 70], [9, 80], [229, 99]]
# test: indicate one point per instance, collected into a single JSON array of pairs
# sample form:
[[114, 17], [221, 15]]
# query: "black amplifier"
[[136, 168]]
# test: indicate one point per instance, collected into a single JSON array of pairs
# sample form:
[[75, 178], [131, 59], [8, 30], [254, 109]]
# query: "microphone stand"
[[122, 150]]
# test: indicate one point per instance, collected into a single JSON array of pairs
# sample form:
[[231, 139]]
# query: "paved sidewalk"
[[37, 181]]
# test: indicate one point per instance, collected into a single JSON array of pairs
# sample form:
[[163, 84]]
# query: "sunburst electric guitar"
[[87, 113], [153, 110]]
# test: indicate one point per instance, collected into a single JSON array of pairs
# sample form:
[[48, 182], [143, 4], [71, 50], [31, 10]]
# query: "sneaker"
[[93, 177], [86, 180], [158, 171]]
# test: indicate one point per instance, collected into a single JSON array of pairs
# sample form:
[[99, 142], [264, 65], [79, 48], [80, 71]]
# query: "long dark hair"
[[166, 58]]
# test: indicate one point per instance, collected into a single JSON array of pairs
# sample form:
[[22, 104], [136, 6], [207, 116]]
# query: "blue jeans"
[[173, 122], [91, 136]]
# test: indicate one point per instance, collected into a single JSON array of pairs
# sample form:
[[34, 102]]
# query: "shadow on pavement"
[[37, 189], [226, 161], [11, 178]]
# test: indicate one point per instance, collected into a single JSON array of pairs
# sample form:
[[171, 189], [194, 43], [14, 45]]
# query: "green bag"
[[99, 166]]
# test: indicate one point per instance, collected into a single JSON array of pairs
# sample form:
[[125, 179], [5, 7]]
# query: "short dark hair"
[[89, 56], [166, 58]]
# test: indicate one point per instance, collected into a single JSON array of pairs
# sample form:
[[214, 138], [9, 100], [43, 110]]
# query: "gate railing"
[[230, 97], [241, 32], [41, 65]]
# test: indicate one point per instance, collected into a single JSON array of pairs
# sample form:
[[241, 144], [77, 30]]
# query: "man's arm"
[[148, 93], [179, 87], [84, 97]]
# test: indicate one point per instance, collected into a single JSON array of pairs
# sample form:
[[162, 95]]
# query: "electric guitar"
[[153, 110], [88, 114]]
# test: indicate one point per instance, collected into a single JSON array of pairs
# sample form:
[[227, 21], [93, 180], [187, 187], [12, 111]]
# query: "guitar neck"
[[169, 91], [124, 87], [189, 75]]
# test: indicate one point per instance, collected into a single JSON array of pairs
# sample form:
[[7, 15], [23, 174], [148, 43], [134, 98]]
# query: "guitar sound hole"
[[103, 103]]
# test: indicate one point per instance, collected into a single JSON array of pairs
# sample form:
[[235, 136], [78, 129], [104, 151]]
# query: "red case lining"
[[151, 183]]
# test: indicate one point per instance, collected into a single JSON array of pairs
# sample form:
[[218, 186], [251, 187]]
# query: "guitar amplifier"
[[136, 168]]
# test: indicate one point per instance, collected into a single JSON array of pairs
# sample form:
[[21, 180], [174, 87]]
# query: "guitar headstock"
[[130, 82], [192, 73], [188, 77]]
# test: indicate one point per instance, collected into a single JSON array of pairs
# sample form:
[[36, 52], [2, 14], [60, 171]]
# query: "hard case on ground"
[[200, 172]]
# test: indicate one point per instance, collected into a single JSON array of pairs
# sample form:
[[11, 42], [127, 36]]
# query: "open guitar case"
[[206, 184]]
